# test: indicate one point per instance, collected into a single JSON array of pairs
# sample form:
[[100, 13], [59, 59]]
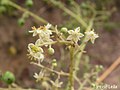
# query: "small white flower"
[[41, 31], [39, 76], [35, 52], [91, 35], [48, 26], [35, 31], [56, 83], [46, 29], [75, 35]]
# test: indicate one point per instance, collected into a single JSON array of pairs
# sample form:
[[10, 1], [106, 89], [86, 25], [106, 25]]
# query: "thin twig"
[[16, 89], [51, 70], [29, 12], [78, 18], [108, 71], [71, 69], [82, 46]]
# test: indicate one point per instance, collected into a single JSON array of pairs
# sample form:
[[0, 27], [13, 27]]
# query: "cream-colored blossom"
[[56, 83], [35, 31], [75, 35], [35, 52], [39, 76], [42, 31], [91, 35]]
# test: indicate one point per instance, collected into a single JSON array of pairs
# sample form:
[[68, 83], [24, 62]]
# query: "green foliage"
[[4, 2], [2, 9], [5, 8]]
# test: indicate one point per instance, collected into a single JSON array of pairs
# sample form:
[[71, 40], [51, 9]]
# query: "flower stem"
[[71, 69], [69, 12], [51, 70], [30, 13], [82, 46]]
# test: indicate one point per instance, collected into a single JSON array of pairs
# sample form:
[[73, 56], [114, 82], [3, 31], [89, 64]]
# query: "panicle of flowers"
[[44, 33], [35, 50], [68, 37]]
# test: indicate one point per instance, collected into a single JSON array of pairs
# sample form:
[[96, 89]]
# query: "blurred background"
[[14, 36]]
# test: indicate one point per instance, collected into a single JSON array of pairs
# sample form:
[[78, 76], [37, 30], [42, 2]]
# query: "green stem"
[[77, 17], [71, 69], [51, 70], [54, 42], [82, 46], [30, 13]]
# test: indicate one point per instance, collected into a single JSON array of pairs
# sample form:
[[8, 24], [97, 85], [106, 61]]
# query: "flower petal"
[[77, 29], [48, 26], [38, 42], [70, 31], [69, 37]]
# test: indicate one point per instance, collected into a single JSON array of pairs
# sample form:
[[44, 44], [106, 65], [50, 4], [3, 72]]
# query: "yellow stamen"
[[42, 28], [34, 28]]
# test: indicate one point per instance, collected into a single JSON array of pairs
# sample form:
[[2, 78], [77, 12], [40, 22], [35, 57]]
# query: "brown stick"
[[108, 71]]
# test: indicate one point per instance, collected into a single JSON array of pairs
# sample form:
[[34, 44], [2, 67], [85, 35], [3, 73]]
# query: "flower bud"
[[12, 50], [64, 30], [54, 63], [21, 21], [8, 77], [29, 3], [51, 51], [99, 68], [93, 85]]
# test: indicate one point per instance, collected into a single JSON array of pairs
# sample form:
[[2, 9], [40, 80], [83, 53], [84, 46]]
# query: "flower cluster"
[[35, 50], [45, 34], [76, 35], [41, 77]]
